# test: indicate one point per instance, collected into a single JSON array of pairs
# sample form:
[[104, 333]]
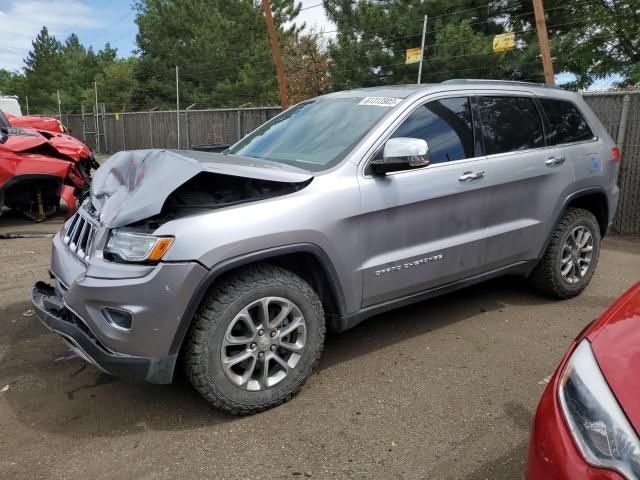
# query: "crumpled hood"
[[22, 140], [133, 185]]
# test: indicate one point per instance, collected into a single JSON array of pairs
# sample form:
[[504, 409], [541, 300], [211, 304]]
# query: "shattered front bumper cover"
[[51, 310]]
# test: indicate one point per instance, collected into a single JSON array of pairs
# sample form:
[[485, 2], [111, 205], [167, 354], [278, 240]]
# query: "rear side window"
[[447, 127], [510, 124], [565, 122]]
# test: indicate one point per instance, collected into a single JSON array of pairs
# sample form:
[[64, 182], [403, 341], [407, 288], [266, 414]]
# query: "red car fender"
[[68, 194], [31, 163]]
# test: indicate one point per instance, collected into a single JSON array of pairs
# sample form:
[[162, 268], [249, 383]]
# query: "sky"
[[97, 22]]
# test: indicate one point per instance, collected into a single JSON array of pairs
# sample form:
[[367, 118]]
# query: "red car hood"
[[615, 340], [49, 124], [24, 139]]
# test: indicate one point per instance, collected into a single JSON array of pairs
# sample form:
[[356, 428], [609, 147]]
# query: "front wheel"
[[571, 257], [255, 340]]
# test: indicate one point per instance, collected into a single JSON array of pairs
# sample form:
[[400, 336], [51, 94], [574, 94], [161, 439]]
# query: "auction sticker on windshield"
[[380, 101]]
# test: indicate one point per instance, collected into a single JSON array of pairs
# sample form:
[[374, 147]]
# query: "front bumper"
[[155, 297], [553, 454], [50, 309]]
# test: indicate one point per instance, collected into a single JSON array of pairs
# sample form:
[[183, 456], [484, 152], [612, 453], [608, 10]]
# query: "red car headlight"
[[598, 425]]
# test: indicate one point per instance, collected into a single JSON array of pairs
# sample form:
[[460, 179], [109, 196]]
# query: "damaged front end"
[[38, 168], [109, 300], [147, 188]]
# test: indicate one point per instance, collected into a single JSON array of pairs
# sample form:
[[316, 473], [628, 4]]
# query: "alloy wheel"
[[576, 256], [263, 343]]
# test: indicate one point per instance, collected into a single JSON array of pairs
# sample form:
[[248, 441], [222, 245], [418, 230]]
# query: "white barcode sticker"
[[380, 101]]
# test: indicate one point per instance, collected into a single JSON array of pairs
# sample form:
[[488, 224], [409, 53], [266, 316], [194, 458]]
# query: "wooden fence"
[[135, 130], [112, 132], [610, 109]]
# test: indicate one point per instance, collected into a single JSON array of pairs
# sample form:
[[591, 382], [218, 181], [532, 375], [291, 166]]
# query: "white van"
[[9, 104]]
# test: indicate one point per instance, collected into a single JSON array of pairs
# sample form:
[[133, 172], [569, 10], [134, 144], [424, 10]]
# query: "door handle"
[[554, 161], [470, 176]]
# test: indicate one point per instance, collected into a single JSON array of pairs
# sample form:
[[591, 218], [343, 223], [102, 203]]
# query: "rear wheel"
[[571, 257], [255, 339]]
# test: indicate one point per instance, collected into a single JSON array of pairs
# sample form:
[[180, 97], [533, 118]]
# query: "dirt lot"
[[442, 389]]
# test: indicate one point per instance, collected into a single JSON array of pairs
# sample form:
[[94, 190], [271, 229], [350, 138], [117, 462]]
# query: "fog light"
[[120, 319]]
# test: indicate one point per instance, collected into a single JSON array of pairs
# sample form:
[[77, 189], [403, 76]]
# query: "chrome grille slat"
[[82, 240], [80, 234]]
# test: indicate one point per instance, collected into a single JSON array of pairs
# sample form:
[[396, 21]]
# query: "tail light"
[[615, 151]]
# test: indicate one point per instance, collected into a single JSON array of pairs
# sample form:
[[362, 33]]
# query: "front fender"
[[264, 255]]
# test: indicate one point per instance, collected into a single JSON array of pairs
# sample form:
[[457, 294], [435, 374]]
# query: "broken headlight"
[[598, 424], [136, 247]]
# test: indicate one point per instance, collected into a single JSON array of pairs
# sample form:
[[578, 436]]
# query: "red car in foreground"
[[587, 423], [39, 167]]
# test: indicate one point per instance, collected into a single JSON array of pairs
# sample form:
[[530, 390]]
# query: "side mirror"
[[402, 153], [4, 135]]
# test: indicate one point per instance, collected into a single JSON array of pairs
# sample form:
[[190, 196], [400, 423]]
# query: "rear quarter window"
[[510, 124], [565, 122]]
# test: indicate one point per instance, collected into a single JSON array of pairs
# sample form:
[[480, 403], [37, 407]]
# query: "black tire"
[[547, 277], [221, 305]]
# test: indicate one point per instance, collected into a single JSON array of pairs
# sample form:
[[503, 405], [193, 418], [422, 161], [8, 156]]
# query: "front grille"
[[80, 234]]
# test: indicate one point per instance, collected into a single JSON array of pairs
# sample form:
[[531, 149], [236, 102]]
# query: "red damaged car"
[[39, 167], [588, 420], [49, 124]]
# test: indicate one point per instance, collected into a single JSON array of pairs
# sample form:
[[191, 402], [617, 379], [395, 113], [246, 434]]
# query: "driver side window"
[[447, 127]]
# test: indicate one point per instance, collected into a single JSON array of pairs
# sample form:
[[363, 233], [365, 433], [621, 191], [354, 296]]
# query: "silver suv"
[[234, 264]]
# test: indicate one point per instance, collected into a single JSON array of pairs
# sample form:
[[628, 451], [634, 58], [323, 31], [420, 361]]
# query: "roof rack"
[[495, 82]]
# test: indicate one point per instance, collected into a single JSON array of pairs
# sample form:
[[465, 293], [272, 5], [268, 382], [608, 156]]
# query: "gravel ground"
[[443, 389]]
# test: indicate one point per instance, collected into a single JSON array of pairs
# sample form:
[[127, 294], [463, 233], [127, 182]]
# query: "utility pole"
[[95, 89], [178, 105], [27, 99], [543, 40], [59, 108], [97, 118], [275, 49], [424, 33]]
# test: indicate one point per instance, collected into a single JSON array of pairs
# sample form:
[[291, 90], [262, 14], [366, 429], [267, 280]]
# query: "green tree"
[[116, 84], [13, 83], [306, 65], [44, 72], [591, 39], [220, 46], [372, 39]]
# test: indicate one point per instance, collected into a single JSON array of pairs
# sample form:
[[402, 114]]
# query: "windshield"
[[314, 135]]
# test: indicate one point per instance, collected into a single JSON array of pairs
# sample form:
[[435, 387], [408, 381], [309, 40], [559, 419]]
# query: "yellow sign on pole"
[[413, 55], [504, 42]]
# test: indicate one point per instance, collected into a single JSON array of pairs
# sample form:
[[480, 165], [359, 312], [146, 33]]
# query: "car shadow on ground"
[[424, 317], [55, 391]]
